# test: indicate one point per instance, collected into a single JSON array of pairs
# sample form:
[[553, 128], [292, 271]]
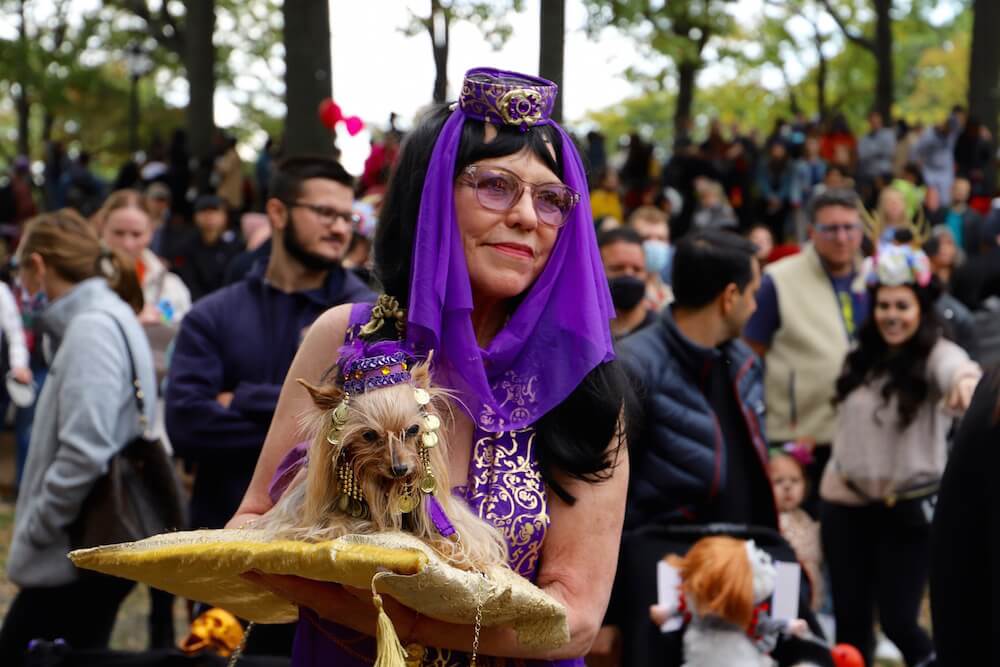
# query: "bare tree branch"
[[862, 41]]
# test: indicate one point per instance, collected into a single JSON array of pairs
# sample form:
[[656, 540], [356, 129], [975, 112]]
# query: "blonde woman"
[[125, 224], [86, 413]]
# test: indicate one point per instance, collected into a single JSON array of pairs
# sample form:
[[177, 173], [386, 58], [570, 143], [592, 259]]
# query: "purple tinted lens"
[[495, 190], [553, 204]]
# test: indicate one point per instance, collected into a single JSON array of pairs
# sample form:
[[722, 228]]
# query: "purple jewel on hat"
[[507, 98]]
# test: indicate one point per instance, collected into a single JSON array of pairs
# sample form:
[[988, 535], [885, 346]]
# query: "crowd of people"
[[790, 332]]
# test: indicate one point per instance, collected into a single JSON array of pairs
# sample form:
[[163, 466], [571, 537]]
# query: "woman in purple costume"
[[486, 240]]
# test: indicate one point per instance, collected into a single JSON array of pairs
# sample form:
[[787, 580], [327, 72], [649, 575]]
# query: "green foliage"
[[931, 63], [666, 34], [73, 67]]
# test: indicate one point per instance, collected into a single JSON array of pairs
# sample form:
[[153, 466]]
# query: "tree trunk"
[[821, 76], [984, 64], [439, 28], [199, 62], [686, 73], [48, 124], [22, 101], [307, 76], [551, 48], [884, 92]]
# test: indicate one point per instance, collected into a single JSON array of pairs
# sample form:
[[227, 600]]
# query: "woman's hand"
[[961, 393], [344, 605], [242, 520], [150, 314], [22, 375]]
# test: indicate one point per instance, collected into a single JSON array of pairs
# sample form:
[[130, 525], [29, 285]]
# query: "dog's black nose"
[[400, 470]]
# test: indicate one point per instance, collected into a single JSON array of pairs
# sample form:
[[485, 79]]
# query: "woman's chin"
[[502, 284]]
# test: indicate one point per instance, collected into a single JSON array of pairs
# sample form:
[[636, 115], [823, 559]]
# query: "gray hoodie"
[[86, 412]]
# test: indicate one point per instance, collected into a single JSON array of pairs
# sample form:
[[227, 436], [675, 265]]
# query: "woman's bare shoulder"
[[326, 335]]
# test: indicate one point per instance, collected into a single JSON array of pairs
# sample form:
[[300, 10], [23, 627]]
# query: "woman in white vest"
[[900, 388]]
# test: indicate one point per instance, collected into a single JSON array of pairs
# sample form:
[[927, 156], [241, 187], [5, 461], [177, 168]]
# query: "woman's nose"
[[523, 212]]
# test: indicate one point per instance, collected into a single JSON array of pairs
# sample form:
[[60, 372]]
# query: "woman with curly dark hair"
[[898, 393]]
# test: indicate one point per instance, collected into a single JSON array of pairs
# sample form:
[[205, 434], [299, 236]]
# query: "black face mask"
[[626, 292]]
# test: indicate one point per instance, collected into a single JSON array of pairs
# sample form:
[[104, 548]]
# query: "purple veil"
[[557, 334]]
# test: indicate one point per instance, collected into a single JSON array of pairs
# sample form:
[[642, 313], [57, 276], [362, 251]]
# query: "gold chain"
[[477, 628], [238, 653]]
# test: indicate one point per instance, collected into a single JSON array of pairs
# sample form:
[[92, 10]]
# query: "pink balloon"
[[354, 125]]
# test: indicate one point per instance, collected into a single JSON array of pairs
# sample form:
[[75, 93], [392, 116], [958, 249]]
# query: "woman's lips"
[[514, 250]]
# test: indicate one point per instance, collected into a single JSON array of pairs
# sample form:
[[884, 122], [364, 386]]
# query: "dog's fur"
[[383, 431]]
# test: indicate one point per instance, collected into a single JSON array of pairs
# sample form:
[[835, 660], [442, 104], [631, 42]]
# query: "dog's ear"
[[421, 372], [326, 397]]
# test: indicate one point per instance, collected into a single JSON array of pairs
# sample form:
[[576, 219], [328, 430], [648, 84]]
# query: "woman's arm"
[[955, 374], [315, 356], [579, 558]]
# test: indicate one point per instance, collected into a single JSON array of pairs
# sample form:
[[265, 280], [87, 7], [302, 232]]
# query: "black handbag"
[[139, 496]]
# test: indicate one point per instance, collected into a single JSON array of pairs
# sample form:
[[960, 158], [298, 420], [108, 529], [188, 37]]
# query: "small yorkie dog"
[[377, 462]]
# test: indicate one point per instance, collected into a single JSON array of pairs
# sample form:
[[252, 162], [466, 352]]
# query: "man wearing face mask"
[[650, 223], [235, 346], [700, 456], [625, 265]]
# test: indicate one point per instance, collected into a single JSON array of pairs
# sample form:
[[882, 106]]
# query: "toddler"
[[801, 531]]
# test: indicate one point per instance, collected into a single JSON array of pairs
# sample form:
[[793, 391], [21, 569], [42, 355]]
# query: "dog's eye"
[[370, 436], [413, 431]]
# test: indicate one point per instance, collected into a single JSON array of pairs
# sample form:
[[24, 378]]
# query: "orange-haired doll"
[[725, 584]]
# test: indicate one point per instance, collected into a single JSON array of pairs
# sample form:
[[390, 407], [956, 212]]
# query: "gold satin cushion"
[[205, 565]]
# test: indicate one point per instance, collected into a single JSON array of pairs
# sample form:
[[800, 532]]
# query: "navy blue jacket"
[[678, 464], [240, 339]]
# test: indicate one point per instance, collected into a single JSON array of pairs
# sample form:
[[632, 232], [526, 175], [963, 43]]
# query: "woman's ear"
[[326, 397]]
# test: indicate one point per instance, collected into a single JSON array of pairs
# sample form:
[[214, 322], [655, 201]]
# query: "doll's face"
[[788, 483]]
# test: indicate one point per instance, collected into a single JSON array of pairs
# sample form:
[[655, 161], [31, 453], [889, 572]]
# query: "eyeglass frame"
[[327, 213], [470, 170], [832, 231]]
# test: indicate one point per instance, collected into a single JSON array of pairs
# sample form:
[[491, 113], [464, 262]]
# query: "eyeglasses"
[[498, 189], [832, 231], [327, 213]]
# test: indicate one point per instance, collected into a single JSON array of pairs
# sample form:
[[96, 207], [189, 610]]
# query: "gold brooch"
[[521, 106]]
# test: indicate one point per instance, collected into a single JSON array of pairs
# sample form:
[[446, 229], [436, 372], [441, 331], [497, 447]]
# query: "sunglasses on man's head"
[[499, 189]]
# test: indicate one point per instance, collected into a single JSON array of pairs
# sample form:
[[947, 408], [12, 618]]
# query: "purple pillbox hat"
[[507, 98], [559, 331]]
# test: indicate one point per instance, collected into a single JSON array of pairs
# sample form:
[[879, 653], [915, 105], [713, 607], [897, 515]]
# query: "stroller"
[[636, 589]]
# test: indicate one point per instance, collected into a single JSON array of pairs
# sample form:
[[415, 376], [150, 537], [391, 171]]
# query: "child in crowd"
[[802, 532]]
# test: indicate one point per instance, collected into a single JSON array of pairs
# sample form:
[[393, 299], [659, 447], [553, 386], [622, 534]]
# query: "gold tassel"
[[389, 651]]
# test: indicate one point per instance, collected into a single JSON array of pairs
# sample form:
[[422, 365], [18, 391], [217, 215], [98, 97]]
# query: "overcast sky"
[[378, 69]]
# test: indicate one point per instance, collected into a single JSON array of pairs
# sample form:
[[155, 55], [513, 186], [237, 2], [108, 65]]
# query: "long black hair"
[[904, 369], [573, 437]]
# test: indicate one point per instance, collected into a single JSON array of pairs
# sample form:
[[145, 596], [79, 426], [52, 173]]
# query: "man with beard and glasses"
[[235, 346]]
